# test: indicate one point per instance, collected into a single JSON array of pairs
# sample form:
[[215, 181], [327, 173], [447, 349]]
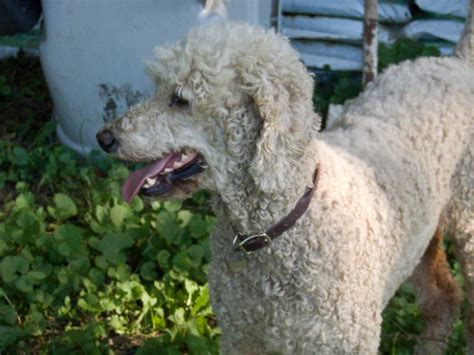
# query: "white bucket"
[[93, 54]]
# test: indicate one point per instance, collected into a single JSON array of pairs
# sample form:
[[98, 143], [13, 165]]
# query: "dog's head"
[[231, 100]]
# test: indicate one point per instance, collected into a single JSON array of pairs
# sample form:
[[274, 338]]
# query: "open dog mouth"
[[161, 176]]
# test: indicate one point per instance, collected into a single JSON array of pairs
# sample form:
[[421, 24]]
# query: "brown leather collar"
[[250, 243]]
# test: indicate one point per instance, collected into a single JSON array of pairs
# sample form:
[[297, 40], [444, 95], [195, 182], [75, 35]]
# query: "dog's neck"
[[251, 210]]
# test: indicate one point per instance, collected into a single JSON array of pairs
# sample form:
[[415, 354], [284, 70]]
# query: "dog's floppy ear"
[[281, 88]]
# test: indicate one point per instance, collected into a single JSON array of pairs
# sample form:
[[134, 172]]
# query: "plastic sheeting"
[[389, 11], [337, 55], [458, 8], [330, 32], [332, 29], [448, 30]]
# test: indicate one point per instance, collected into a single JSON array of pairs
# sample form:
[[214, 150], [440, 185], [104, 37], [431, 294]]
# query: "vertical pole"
[[370, 42]]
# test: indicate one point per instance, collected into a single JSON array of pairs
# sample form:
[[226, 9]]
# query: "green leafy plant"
[[79, 265]]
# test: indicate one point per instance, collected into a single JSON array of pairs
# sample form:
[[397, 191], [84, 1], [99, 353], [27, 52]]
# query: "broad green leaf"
[[168, 227], [184, 216], [19, 156], [13, 267], [196, 253], [8, 314], [112, 246], [35, 276], [198, 226], [120, 273], [172, 206], [24, 200], [97, 276], [101, 213], [196, 344], [70, 242], [148, 271], [163, 258], [24, 284], [137, 204], [118, 213], [9, 335], [64, 207]]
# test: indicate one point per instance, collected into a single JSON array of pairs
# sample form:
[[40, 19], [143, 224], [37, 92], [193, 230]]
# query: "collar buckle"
[[250, 243]]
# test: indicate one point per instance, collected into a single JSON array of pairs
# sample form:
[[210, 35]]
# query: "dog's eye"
[[178, 101]]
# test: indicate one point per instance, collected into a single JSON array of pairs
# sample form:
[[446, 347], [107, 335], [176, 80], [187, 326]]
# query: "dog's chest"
[[257, 292]]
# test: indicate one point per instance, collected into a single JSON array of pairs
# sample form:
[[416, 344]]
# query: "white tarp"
[[448, 30], [337, 55], [329, 28], [457, 8], [389, 11]]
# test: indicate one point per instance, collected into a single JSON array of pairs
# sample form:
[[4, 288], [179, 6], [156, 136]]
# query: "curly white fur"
[[386, 177]]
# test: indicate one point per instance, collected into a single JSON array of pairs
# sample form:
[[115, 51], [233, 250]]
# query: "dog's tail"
[[465, 47]]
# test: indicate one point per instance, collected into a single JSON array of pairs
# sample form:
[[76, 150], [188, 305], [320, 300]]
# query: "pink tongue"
[[135, 181]]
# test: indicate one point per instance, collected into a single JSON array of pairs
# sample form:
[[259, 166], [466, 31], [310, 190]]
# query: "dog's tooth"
[[167, 170], [149, 182]]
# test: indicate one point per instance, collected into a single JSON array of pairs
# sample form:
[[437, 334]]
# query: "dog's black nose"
[[106, 140]]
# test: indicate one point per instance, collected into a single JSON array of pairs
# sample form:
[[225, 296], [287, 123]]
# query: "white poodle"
[[233, 114]]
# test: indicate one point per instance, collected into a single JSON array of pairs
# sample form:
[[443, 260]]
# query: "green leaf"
[[201, 301], [13, 267], [137, 204], [97, 276], [178, 316], [24, 285], [196, 345], [163, 258], [9, 335], [35, 276], [118, 213], [169, 227], [64, 207], [70, 242], [199, 226], [36, 322], [8, 314], [148, 271], [190, 287], [24, 200], [172, 206], [101, 214], [196, 253], [112, 246], [184, 216], [101, 263], [120, 273], [19, 157]]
